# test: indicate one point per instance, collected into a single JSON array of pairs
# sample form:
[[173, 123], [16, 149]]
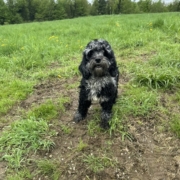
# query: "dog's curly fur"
[[100, 76]]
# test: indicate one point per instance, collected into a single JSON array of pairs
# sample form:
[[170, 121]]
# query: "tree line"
[[19, 11]]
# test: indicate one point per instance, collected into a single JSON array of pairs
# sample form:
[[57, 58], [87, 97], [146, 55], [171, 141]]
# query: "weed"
[[62, 102], [93, 127], [81, 146], [49, 168], [21, 174], [93, 124], [117, 124], [158, 23], [97, 164], [177, 97], [175, 125], [66, 129]]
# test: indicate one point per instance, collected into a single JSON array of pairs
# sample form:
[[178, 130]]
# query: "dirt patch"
[[2, 170], [152, 154], [147, 56], [51, 89]]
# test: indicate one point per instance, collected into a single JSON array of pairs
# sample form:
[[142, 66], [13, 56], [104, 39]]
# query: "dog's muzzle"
[[99, 67]]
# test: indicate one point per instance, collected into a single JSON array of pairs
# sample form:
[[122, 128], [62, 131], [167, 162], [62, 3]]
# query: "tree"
[[18, 11], [59, 10], [127, 7], [13, 15], [94, 8], [175, 6], [111, 6], [81, 8], [42, 10], [158, 6], [145, 5], [49, 10], [23, 9], [119, 5], [99, 7], [102, 7], [4, 12]]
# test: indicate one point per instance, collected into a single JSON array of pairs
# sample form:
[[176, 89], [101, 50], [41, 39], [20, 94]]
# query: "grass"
[[66, 129], [22, 137], [157, 76], [49, 169], [147, 52], [21, 174], [93, 126], [137, 101], [12, 92], [175, 125], [81, 145], [49, 109], [98, 163]]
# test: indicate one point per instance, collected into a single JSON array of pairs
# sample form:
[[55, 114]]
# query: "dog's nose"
[[98, 60]]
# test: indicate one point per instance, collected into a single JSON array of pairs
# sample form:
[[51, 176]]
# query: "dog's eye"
[[106, 53], [89, 54]]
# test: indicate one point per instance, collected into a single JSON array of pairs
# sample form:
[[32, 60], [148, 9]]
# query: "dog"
[[99, 81]]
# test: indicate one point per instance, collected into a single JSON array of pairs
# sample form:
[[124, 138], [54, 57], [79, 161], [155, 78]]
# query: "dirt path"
[[151, 155]]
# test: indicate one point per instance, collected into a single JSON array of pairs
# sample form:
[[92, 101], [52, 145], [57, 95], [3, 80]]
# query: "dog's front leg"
[[84, 104], [106, 114]]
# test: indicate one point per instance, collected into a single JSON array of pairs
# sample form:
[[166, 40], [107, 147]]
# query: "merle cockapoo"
[[99, 80]]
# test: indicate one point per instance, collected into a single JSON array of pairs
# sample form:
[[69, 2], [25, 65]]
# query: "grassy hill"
[[39, 81]]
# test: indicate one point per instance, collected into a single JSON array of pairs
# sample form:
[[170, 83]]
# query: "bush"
[[159, 23]]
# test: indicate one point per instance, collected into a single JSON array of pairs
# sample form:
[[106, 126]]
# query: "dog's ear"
[[115, 73], [108, 52], [87, 53], [83, 69], [113, 69]]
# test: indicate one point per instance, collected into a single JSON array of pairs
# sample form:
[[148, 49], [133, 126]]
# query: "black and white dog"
[[99, 80]]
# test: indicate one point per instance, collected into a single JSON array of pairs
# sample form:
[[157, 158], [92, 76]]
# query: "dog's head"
[[98, 60]]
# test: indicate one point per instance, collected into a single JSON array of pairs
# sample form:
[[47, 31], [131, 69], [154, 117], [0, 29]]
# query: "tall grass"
[[157, 77]]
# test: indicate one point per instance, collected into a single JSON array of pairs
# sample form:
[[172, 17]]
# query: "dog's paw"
[[77, 117], [105, 117], [105, 125]]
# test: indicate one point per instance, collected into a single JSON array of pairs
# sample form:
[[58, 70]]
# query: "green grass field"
[[39, 81]]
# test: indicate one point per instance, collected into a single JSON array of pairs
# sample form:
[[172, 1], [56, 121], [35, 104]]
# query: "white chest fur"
[[95, 86]]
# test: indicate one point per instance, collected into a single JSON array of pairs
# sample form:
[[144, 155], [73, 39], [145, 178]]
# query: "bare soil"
[[152, 154]]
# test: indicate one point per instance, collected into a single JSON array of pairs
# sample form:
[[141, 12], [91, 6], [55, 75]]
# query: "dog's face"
[[98, 59], [97, 63]]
